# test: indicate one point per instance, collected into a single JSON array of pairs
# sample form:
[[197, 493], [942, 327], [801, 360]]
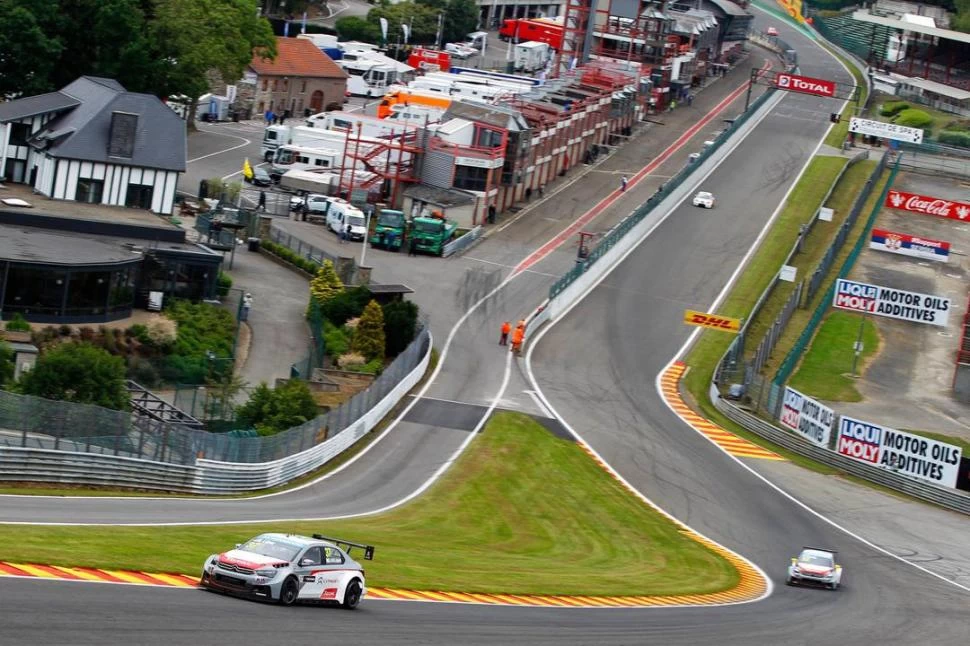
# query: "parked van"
[[341, 213]]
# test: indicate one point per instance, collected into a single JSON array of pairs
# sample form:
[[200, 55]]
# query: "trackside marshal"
[[891, 303]]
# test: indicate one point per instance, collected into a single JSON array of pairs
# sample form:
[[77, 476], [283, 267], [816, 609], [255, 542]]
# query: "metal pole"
[[858, 344], [747, 100], [363, 244]]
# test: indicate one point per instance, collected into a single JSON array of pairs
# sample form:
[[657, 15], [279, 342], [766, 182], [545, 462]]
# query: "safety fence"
[[462, 243], [618, 232], [735, 368], [33, 422], [299, 247], [303, 369]]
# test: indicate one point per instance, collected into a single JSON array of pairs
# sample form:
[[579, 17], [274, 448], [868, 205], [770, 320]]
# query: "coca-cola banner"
[[927, 205]]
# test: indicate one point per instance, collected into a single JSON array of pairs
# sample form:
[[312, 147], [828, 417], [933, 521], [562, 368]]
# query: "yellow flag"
[[247, 169]]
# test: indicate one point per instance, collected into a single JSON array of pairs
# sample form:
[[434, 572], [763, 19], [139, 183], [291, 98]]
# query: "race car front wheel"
[[352, 595], [289, 591]]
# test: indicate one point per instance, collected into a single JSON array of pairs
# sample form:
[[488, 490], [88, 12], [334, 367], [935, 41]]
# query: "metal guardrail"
[[208, 476], [952, 499], [462, 243]]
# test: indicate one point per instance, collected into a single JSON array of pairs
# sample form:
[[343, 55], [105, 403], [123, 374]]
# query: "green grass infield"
[[521, 512], [825, 371]]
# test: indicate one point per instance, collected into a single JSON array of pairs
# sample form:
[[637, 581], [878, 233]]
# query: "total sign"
[[804, 84]]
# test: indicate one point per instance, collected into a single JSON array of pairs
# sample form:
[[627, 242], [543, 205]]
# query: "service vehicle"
[[532, 56], [389, 230], [287, 568], [310, 181], [340, 213], [259, 177], [704, 199], [429, 60], [523, 29], [291, 157], [275, 137], [368, 78], [430, 234], [460, 50], [815, 566], [408, 97]]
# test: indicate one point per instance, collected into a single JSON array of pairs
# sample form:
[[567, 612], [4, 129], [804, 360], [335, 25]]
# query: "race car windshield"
[[814, 559], [273, 549]]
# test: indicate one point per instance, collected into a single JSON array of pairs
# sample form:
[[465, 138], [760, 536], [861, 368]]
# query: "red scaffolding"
[[389, 161]]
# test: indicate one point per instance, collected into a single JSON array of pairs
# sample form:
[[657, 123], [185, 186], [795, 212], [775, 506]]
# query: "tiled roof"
[[297, 57], [34, 105]]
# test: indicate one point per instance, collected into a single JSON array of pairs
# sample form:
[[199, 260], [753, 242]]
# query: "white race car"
[[815, 567], [287, 568], [704, 199]]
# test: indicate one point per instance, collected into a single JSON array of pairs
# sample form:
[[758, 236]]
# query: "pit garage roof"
[[863, 15]]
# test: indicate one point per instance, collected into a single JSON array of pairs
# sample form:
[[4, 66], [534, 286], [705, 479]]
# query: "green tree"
[[400, 324], [270, 411], [28, 52], [461, 18], [961, 21], [913, 118], [326, 284], [346, 305], [369, 337], [357, 28], [195, 37], [7, 363], [422, 18], [78, 372]]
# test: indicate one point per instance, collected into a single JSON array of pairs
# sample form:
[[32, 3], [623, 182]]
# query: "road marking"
[[670, 393], [245, 142], [538, 402]]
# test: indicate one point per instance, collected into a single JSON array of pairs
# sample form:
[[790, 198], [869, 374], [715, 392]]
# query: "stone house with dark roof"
[[300, 78], [94, 142]]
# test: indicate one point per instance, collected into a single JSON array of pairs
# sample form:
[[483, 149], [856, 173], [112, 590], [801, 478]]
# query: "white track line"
[[245, 142]]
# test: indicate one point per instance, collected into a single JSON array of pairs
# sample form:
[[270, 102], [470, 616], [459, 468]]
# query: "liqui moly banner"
[[905, 453], [891, 303], [916, 203], [907, 245], [804, 84], [805, 416]]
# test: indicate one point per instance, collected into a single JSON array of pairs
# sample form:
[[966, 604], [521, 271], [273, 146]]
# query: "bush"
[[7, 362], [958, 126], [351, 360], [326, 284], [913, 119], [223, 284], [270, 411], [335, 340], [161, 332], [347, 305], [143, 372], [372, 367], [892, 108], [368, 337], [18, 324], [202, 328], [954, 138], [400, 325], [80, 373]]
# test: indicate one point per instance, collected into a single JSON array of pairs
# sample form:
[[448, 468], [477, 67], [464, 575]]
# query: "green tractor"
[[389, 230], [430, 234]]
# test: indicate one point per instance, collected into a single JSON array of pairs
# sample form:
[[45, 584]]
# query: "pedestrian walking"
[[262, 201], [517, 338], [412, 247], [506, 328], [623, 182], [269, 117]]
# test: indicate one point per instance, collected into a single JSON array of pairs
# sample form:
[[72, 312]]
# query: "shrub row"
[[290, 256]]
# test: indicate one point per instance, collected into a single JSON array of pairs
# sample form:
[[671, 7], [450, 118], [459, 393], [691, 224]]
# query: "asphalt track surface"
[[619, 338]]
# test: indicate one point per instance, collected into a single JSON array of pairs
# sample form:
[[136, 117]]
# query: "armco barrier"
[[462, 243], [631, 230], [943, 496], [204, 476]]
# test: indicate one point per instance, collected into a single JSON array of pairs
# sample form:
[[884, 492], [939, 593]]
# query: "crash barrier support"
[[952, 499], [462, 243], [218, 462], [630, 231], [734, 368]]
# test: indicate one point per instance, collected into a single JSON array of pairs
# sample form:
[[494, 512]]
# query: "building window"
[[276, 85], [19, 134], [470, 178], [139, 196], [286, 85], [89, 191], [265, 84], [303, 87], [488, 138]]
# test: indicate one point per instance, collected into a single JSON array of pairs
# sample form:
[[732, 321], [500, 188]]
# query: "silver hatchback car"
[[287, 568]]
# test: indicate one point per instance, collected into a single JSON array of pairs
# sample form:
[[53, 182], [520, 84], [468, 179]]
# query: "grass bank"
[[825, 371], [521, 512]]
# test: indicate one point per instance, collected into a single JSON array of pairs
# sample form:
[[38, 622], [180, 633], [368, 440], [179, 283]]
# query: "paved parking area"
[[908, 385]]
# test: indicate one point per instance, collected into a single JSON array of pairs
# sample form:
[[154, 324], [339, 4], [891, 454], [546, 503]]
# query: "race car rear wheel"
[[289, 592], [352, 595]]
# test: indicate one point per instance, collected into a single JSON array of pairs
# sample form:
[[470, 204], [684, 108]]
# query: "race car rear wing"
[[347, 545], [819, 549]]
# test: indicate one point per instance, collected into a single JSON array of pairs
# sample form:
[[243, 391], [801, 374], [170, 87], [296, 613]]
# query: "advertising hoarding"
[[885, 130], [927, 205], [905, 453], [704, 319], [804, 84], [907, 245], [891, 303], [807, 417]]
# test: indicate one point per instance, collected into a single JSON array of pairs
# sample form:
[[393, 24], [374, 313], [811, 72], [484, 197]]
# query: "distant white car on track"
[[287, 568], [704, 199], [815, 566]]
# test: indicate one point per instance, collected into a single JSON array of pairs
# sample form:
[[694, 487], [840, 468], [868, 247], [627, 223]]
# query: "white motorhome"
[[292, 157], [350, 121], [367, 77], [276, 136], [484, 93], [322, 41], [416, 115]]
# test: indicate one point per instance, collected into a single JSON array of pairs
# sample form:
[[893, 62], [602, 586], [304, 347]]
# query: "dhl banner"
[[715, 321]]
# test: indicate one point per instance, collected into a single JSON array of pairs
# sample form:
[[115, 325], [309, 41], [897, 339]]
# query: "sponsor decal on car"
[[329, 593]]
